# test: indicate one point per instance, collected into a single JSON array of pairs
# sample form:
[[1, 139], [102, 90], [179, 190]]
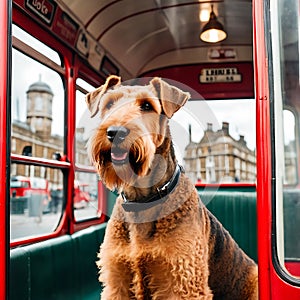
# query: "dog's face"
[[133, 124]]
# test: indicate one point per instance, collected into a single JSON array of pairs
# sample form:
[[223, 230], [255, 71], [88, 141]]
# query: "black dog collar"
[[153, 200]]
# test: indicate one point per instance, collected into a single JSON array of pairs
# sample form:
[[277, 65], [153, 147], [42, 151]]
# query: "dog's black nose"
[[117, 134]]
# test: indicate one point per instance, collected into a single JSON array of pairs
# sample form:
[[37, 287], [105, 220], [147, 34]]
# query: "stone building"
[[218, 157], [33, 137]]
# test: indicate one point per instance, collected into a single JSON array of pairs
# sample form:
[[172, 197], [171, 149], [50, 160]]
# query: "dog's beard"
[[133, 164]]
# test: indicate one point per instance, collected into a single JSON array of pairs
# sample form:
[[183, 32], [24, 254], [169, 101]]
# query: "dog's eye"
[[109, 104], [146, 106]]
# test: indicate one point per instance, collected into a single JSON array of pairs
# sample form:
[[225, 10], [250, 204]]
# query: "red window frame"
[[271, 285], [73, 68], [5, 92]]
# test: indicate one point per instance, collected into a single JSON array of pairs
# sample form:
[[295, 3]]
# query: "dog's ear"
[[171, 97], [93, 98]]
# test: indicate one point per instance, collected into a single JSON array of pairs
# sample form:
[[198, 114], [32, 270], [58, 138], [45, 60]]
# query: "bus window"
[[37, 138], [37, 117], [37, 110], [36, 200], [86, 201], [220, 145], [85, 196], [84, 123], [286, 189]]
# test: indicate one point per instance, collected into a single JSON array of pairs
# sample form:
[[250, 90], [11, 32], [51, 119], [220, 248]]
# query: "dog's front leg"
[[191, 279], [114, 263], [178, 279], [116, 282]]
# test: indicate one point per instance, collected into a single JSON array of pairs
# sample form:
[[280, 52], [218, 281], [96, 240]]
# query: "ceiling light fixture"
[[213, 31]]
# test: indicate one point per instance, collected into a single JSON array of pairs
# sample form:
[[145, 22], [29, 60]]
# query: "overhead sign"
[[65, 27], [44, 9], [219, 75]]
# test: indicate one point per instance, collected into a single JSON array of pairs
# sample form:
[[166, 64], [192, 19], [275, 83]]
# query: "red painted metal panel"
[[263, 153], [71, 86], [271, 286], [4, 81], [29, 25], [50, 15], [281, 290], [73, 67], [190, 76], [293, 267]]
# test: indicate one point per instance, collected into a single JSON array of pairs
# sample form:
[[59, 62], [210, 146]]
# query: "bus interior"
[[244, 90]]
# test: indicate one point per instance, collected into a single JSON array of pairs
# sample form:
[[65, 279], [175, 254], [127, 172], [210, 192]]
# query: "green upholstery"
[[236, 210], [19, 274], [87, 245], [60, 268]]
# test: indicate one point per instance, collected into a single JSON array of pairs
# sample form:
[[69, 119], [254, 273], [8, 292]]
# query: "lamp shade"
[[213, 31]]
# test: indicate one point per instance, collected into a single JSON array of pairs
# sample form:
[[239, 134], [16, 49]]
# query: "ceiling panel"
[[136, 32]]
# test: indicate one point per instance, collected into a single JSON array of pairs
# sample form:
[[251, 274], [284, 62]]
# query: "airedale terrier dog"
[[161, 242]]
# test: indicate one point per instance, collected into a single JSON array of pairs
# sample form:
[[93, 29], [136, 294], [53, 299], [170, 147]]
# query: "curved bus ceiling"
[[141, 36]]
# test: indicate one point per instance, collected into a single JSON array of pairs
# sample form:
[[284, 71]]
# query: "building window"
[[13, 145], [27, 151], [210, 169]]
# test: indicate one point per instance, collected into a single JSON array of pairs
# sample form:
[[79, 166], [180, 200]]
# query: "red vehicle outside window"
[[33, 190]]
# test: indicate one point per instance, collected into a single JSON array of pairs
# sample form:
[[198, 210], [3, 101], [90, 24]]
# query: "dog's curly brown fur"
[[176, 249]]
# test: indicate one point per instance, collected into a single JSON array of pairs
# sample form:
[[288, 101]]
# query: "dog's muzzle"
[[116, 135]]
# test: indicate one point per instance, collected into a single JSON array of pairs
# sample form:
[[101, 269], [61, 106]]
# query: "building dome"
[[40, 87], [39, 108]]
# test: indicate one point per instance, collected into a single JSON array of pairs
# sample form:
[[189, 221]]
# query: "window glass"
[[36, 200], [36, 44], [87, 200], [290, 152], [285, 19], [86, 196], [37, 107], [84, 129], [215, 145], [37, 131], [85, 125]]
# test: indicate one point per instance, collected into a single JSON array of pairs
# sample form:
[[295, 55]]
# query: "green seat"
[[236, 210], [60, 268]]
